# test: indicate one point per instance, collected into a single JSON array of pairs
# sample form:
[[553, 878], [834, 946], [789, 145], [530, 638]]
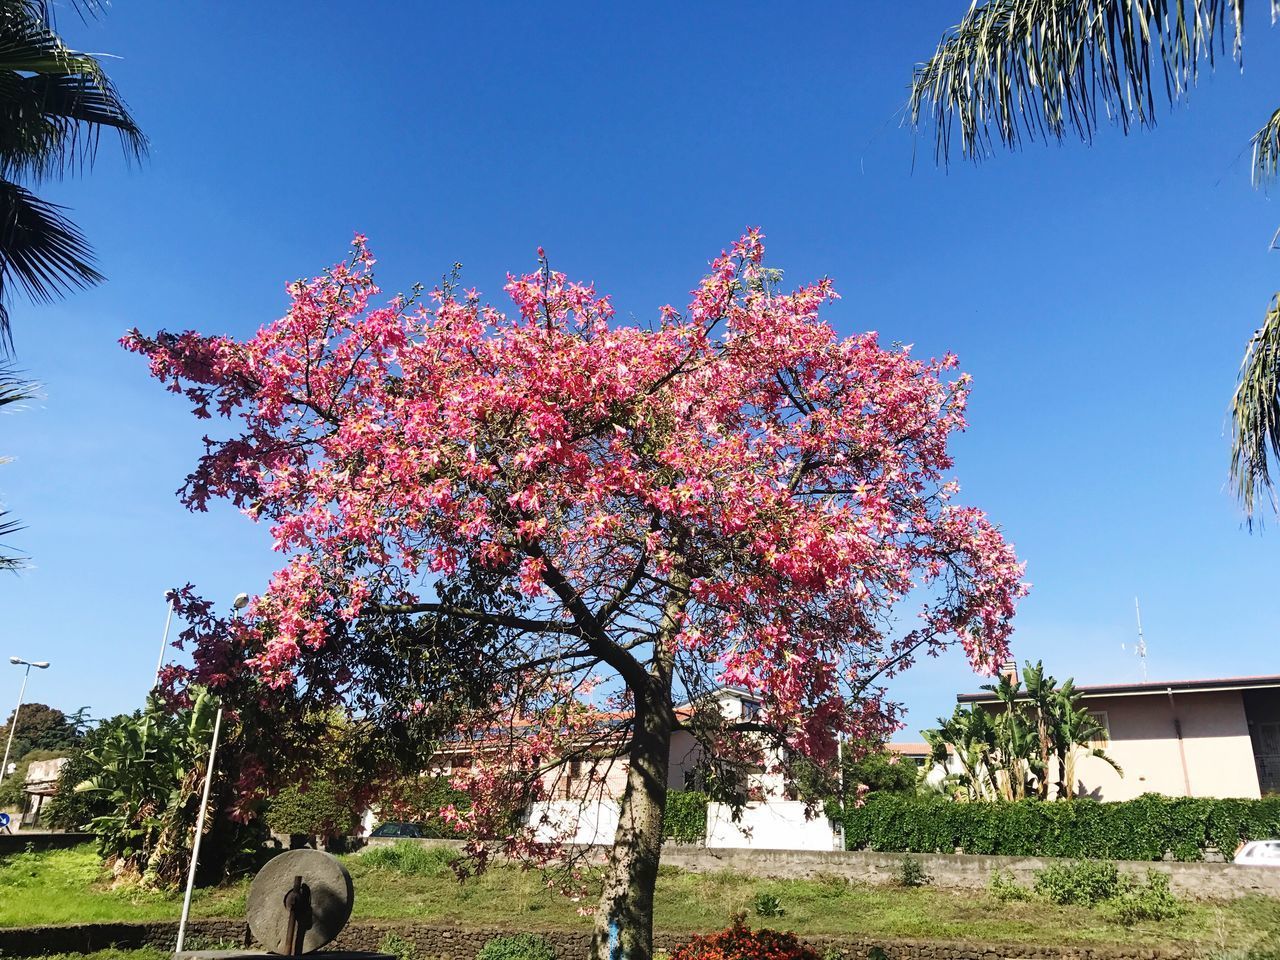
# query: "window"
[[1104, 723], [750, 709]]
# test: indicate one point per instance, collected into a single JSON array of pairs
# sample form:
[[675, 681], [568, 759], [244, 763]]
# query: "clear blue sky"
[[1100, 297]]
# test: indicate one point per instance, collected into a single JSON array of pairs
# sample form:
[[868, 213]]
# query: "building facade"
[[1190, 738]]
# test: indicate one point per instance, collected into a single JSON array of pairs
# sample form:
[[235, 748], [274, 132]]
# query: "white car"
[[1259, 853]]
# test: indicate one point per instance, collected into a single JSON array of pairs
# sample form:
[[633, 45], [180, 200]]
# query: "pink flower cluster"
[[795, 479]]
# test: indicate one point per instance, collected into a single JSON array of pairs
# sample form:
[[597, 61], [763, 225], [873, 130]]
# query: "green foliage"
[[411, 859], [1147, 828], [911, 873], [11, 794], [69, 810], [42, 727], [320, 809], [145, 778], [1084, 883], [768, 905], [520, 946], [1151, 900], [1006, 889], [685, 818], [399, 947], [420, 801]]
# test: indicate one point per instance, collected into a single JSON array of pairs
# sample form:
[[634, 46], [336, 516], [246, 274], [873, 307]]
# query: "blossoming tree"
[[732, 495]]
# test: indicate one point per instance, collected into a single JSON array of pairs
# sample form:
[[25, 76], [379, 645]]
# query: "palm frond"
[[1042, 69], [13, 388], [1255, 413], [8, 562], [1266, 151], [53, 101], [40, 249]]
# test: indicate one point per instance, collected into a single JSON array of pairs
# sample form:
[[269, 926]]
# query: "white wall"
[[574, 821], [773, 825]]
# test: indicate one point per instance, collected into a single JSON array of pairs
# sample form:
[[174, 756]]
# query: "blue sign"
[[4, 821]]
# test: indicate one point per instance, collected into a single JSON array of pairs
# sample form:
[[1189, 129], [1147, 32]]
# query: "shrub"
[[408, 857], [1085, 883], [1150, 827], [1006, 889], [1151, 900], [399, 947], [685, 818], [319, 810], [768, 905], [520, 946], [911, 873], [740, 942]]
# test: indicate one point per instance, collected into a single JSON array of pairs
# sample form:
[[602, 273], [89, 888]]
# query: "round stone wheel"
[[328, 899]]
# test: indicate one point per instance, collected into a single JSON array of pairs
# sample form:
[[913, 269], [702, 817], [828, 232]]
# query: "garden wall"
[[1197, 881], [460, 944]]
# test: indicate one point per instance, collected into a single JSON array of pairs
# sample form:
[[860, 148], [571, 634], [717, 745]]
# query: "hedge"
[[685, 819], [320, 809], [1151, 827]]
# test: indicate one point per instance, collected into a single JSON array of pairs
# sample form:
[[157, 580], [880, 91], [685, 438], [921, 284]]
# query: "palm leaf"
[[1255, 412], [40, 250], [53, 101], [9, 563], [1043, 69]]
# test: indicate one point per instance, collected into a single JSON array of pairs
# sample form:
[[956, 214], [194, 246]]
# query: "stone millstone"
[[330, 896]]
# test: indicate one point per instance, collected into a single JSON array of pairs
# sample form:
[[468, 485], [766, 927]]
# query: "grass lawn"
[[67, 886]]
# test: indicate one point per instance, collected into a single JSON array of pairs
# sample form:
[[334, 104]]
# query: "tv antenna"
[[1141, 647]]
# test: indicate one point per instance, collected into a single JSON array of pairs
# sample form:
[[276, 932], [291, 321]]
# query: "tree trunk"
[[624, 916]]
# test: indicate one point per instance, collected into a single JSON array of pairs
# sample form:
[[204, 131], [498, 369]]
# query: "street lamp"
[[13, 726]]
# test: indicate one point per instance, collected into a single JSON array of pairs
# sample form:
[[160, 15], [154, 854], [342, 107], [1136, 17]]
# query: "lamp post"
[[19, 662], [239, 603], [164, 641]]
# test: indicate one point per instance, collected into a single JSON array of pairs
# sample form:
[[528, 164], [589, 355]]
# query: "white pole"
[[4, 766], [195, 848], [164, 643]]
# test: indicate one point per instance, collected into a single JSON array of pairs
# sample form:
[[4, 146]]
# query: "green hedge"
[[1148, 828], [685, 818], [320, 809]]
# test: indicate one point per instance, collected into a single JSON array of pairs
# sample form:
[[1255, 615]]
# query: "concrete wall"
[[1195, 881], [1215, 742], [574, 821], [776, 825]]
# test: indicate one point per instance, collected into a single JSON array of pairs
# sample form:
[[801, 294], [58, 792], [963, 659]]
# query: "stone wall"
[[455, 943], [1197, 881]]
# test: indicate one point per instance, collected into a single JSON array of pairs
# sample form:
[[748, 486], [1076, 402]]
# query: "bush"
[[1085, 883], [1006, 889], [318, 810], [740, 942], [520, 946], [911, 873], [768, 905], [685, 818], [410, 858], [1152, 900], [399, 947], [1150, 827]]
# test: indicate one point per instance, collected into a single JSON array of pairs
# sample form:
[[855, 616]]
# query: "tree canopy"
[[567, 527]]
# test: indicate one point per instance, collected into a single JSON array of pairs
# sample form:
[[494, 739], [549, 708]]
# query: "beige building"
[[1189, 738]]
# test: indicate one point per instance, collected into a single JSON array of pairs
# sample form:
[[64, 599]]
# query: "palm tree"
[[1014, 737], [1076, 733], [53, 104], [1015, 70], [970, 737]]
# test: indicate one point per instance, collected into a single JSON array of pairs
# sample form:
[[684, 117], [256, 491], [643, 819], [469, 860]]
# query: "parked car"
[[1259, 853], [394, 829]]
